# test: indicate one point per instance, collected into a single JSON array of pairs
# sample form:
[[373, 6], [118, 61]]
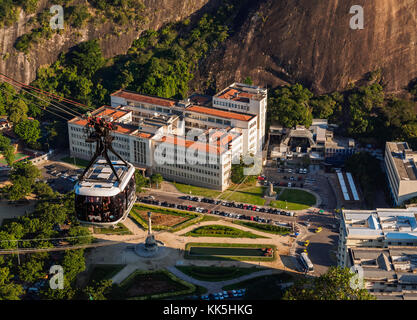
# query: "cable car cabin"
[[100, 199]]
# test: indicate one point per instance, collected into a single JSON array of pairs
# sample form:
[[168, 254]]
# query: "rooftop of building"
[[387, 264], [242, 93], [121, 125], [404, 159], [201, 99], [221, 113], [391, 224], [139, 97]]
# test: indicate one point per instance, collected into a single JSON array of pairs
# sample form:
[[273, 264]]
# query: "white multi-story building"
[[194, 162], [139, 141], [248, 99], [239, 106], [401, 170]]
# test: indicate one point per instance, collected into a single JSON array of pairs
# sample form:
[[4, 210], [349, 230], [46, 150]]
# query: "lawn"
[[294, 199], [262, 288], [264, 227], [104, 272], [250, 195], [221, 231], [120, 229], [214, 274], [228, 251], [81, 163], [247, 194], [196, 191], [152, 285]]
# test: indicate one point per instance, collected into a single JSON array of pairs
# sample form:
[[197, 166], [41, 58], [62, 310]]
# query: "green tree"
[[289, 106], [78, 15], [83, 235], [87, 57], [98, 290], [335, 284], [21, 188], [141, 181], [67, 293], [28, 130], [323, 106], [17, 111], [7, 149], [23, 176], [156, 180], [364, 104], [43, 190], [25, 169], [9, 290], [32, 270], [73, 263]]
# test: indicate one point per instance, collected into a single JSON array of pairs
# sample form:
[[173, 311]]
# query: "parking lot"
[[216, 207], [59, 177]]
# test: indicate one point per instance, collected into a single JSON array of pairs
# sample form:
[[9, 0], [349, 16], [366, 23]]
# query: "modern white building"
[[379, 228], [401, 170], [382, 245]]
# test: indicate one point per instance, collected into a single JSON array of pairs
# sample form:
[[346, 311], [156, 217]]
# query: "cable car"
[[106, 190]]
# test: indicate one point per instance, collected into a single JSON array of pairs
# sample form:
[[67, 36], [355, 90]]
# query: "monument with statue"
[[151, 247]]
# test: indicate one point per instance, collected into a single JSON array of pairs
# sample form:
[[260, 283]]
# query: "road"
[[321, 249]]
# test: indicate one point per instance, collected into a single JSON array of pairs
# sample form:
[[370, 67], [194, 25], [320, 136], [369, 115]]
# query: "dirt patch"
[[162, 219]]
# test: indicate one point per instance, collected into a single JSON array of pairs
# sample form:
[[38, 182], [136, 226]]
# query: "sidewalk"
[[217, 286]]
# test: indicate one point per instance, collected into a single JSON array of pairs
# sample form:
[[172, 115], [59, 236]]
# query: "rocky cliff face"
[[311, 42], [23, 67]]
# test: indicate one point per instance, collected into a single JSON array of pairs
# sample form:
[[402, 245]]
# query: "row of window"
[[231, 105], [152, 108], [207, 119], [188, 176], [140, 152]]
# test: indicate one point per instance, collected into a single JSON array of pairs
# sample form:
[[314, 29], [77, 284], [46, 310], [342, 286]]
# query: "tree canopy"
[[289, 106], [333, 285]]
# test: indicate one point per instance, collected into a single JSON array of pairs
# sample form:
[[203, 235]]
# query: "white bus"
[[306, 262]]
